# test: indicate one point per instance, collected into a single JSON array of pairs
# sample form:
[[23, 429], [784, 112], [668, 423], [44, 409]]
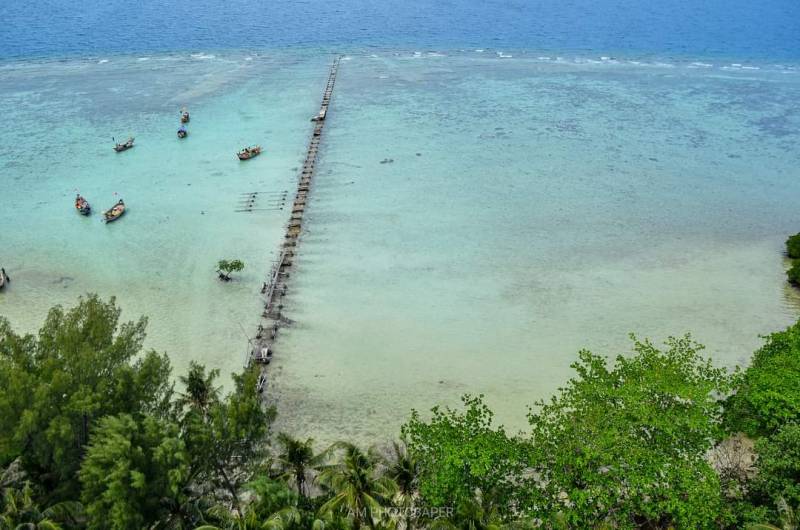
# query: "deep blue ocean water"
[[738, 29]]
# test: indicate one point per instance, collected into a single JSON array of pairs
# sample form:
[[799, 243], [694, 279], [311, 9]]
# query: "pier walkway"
[[274, 289]]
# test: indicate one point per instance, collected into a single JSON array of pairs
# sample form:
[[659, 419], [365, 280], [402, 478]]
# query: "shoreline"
[[547, 175]]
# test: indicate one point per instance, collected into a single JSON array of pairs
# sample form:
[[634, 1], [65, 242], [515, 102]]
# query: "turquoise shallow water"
[[159, 259], [527, 206]]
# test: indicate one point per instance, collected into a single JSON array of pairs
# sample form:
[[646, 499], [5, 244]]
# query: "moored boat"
[[115, 212], [82, 205], [124, 146], [4, 279], [184, 116], [182, 132], [249, 152]]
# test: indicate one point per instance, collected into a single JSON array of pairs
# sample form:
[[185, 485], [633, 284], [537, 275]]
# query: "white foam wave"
[[102, 61], [203, 56]]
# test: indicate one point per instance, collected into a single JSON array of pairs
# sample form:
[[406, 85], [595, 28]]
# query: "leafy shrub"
[[626, 445], [793, 274], [793, 246], [768, 393], [226, 267], [778, 477]]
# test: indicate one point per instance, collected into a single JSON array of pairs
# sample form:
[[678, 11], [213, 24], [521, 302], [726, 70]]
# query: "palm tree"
[[200, 390], [225, 519], [359, 493], [275, 504], [19, 511], [403, 468], [477, 513], [297, 460], [274, 508]]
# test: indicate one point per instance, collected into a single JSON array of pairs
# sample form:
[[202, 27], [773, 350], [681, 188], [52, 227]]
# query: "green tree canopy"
[[359, 491], [793, 246], [140, 471], [133, 473], [476, 513], [626, 445], [767, 395], [226, 267], [296, 459], [83, 364], [778, 478], [226, 439], [19, 511], [403, 468], [793, 274], [461, 452], [200, 392]]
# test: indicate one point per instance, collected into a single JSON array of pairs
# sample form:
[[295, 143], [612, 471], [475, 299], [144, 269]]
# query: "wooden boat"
[[127, 144], [182, 132], [184, 116], [4, 279], [249, 152], [115, 212], [82, 205]]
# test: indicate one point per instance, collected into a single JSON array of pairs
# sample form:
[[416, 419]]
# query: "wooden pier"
[[276, 285]]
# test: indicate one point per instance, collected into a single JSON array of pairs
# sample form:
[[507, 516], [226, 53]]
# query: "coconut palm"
[[296, 461], [477, 513], [275, 504], [19, 511], [250, 521], [273, 508], [359, 492], [403, 468], [227, 520], [200, 391]]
